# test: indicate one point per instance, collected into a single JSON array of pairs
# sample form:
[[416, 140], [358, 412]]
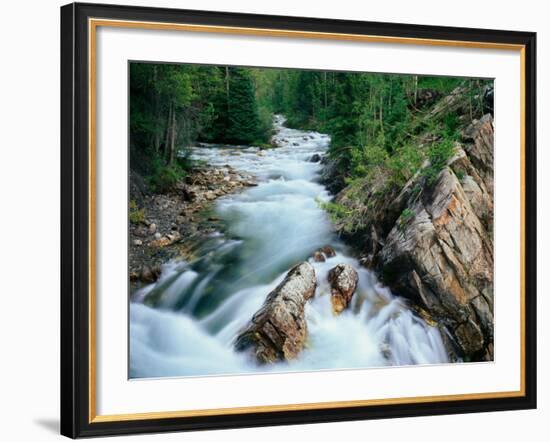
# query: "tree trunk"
[[158, 116], [382, 113], [390, 94], [173, 138], [157, 141], [227, 87], [168, 127], [325, 84]]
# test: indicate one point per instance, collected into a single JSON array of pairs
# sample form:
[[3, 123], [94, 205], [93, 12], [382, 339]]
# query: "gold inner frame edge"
[[93, 24]]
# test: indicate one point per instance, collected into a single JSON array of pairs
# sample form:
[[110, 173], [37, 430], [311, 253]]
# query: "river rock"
[[189, 193], [318, 256], [321, 255], [315, 158], [328, 251], [140, 231], [343, 281], [149, 274], [278, 331], [331, 175], [152, 228]]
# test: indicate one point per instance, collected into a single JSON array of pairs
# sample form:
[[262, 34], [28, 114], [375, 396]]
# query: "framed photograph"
[[274, 220]]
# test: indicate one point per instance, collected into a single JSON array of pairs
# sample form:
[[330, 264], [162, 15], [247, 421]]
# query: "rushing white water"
[[201, 306]]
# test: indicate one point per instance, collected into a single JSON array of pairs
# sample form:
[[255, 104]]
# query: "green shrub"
[[451, 123], [363, 159], [335, 210], [417, 188], [438, 154], [441, 84], [406, 216], [136, 214], [347, 218], [404, 164], [165, 177]]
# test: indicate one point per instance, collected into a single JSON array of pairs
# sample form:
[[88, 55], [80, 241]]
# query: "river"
[[202, 305]]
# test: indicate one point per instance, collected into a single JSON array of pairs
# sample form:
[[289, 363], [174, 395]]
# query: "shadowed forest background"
[[371, 118]]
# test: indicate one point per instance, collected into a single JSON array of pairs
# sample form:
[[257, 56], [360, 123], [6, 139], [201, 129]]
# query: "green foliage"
[[406, 216], [363, 159], [136, 215], [443, 85], [375, 125], [165, 177], [265, 146], [335, 210], [416, 190], [403, 164], [439, 154], [343, 216], [451, 123], [172, 106], [243, 119]]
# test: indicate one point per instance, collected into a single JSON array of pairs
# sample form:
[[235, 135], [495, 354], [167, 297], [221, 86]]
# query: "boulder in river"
[[315, 158], [318, 256], [328, 251], [278, 331], [149, 274], [321, 255], [343, 281]]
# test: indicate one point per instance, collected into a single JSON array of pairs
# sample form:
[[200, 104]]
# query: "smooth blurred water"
[[185, 323]]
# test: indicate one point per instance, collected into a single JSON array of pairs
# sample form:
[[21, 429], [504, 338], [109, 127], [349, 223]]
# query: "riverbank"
[[169, 226], [430, 237]]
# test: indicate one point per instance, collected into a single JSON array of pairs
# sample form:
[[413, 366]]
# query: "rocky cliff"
[[431, 241]]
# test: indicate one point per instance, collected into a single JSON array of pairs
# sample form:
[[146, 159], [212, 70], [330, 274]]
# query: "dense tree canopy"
[[370, 117]]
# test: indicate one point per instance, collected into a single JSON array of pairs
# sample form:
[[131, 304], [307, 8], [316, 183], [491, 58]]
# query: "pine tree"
[[243, 120]]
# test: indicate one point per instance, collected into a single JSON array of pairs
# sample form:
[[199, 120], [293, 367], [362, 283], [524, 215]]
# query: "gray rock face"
[[343, 281], [445, 255], [442, 256], [278, 330], [331, 176]]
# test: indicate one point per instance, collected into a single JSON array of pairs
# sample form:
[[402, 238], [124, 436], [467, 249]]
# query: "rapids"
[[203, 304]]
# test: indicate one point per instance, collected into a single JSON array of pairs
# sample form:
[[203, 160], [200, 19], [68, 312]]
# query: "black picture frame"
[[75, 220]]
